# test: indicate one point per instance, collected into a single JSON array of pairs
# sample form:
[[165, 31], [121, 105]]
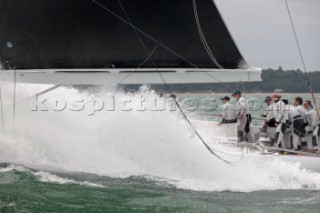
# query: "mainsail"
[[116, 35]]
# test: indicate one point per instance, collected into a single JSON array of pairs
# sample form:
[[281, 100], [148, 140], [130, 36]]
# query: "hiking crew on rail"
[[295, 126], [299, 123]]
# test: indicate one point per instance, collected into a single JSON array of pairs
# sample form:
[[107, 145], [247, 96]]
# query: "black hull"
[[44, 34]]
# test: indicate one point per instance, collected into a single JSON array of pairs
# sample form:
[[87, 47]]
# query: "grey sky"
[[263, 33]]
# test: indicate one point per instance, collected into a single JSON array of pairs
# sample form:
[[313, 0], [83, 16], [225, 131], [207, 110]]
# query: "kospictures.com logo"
[[132, 102]]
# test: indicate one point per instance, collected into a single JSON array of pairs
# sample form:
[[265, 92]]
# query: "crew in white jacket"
[[268, 116], [244, 117], [296, 125], [313, 124], [227, 111], [281, 117], [298, 101]]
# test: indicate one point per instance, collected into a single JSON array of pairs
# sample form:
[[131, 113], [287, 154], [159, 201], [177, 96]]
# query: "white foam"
[[3, 170], [12, 167], [3, 204], [121, 144], [250, 176], [47, 177]]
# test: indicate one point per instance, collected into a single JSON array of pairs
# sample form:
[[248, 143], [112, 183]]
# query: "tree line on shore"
[[289, 81]]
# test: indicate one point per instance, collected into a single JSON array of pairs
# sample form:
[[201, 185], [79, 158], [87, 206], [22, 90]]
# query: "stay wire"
[[160, 44], [302, 59], [14, 97], [138, 36], [212, 151], [149, 56], [126, 77], [172, 51], [203, 39], [141, 42], [2, 118], [296, 37]]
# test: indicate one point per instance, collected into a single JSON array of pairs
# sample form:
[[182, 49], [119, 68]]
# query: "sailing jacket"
[[292, 113], [302, 111], [243, 107], [269, 113], [228, 112], [312, 118], [280, 112]]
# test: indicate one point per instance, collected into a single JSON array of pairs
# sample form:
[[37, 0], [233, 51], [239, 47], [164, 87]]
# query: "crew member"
[[281, 117], [269, 120], [295, 124], [227, 111], [298, 101], [313, 125], [244, 117]]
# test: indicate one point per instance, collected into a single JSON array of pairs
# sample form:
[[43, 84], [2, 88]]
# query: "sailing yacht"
[[109, 42]]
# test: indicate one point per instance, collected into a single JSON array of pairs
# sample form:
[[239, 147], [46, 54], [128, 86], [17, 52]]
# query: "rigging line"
[[242, 62], [142, 32], [126, 77], [202, 35], [205, 44], [167, 48], [218, 81], [14, 94], [203, 39], [158, 42], [149, 56], [302, 59], [296, 37], [212, 151], [47, 90], [170, 50], [242, 84], [139, 38], [2, 118]]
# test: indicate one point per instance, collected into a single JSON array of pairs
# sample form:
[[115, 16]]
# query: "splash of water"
[[124, 143]]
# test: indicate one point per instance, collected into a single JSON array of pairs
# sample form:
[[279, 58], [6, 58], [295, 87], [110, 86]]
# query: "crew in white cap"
[[244, 117]]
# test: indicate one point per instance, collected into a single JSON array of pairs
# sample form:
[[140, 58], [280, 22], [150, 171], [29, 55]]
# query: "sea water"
[[130, 158]]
